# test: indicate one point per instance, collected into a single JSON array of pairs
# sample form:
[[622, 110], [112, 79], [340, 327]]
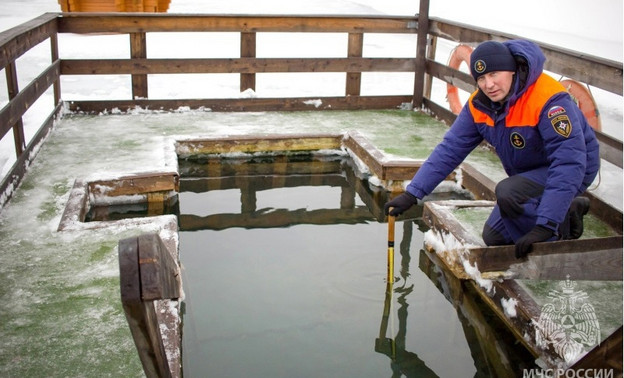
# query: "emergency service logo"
[[568, 322], [562, 125], [479, 66], [517, 141]]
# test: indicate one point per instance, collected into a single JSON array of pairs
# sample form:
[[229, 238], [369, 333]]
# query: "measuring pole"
[[390, 249]]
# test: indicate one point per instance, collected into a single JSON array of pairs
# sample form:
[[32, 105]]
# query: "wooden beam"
[[82, 23], [255, 143], [582, 259], [13, 112], [11, 181], [248, 50], [605, 356], [147, 272], [421, 54], [249, 104], [16, 41], [354, 79], [135, 184], [138, 51], [477, 183], [18, 126], [160, 276], [233, 65]]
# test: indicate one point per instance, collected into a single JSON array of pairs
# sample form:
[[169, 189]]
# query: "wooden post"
[[248, 50], [354, 79], [421, 51], [431, 52], [13, 90], [147, 273], [54, 57], [138, 50]]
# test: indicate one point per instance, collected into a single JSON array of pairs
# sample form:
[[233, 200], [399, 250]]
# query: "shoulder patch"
[[555, 111], [562, 125]]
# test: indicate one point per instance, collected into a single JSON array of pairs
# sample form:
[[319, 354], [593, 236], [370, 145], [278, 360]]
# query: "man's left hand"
[[537, 234]]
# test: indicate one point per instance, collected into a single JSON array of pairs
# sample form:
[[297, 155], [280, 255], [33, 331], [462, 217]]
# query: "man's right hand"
[[400, 204]]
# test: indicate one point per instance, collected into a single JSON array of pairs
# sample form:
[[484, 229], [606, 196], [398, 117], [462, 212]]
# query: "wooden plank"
[[248, 50], [452, 76], [605, 211], [18, 127], [296, 172], [367, 152], [140, 314], [159, 273], [248, 104], [15, 109], [138, 51], [135, 184], [233, 65], [402, 170], [439, 216], [354, 50], [12, 179], [477, 183], [606, 355], [129, 277], [610, 148], [523, 325], [257, 143], [582, 259], [132, 23], [19, 39], [421, 54]]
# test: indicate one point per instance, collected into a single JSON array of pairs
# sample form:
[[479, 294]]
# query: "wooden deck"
[[592, 259]]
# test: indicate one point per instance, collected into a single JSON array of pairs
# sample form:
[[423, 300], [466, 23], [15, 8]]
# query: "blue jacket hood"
[[530, 60]]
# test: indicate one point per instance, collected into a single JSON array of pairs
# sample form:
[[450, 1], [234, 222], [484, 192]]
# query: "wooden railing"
[[15, 42]]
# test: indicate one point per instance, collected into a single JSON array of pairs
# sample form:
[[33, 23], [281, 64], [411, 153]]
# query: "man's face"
[[496, 84]]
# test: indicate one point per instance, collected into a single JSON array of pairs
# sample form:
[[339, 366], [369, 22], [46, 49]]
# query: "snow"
[[509, 306], [81, 263]]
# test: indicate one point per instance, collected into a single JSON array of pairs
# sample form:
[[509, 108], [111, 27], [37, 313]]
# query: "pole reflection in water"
[[403, 362]]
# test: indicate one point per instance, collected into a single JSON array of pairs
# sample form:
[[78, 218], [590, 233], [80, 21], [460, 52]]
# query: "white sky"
[[593, 27]]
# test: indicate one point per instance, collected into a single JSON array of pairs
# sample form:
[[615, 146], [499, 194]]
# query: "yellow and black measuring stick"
[[390, 248]]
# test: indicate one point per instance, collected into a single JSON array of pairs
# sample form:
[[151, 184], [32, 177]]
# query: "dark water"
[[285, 276]]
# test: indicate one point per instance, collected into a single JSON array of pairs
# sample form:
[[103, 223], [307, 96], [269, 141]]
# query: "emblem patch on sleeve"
[[562, 125]]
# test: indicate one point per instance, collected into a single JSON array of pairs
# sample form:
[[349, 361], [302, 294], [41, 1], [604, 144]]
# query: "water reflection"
[[288, 288], [403, 362]]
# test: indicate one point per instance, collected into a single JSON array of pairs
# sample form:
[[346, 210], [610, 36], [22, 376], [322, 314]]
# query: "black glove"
[[400, 204], [537, 234]]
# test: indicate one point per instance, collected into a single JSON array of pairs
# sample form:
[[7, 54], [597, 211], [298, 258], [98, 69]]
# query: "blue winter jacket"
[[538, 126]]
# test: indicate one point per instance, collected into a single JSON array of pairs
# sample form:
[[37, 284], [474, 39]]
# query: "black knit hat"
[[491, 56]]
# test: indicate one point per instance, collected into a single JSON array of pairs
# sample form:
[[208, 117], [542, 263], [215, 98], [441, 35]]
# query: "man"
[[544, 142]]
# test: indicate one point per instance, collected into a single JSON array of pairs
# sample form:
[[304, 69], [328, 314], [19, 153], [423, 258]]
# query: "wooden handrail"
[[595, 71]]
